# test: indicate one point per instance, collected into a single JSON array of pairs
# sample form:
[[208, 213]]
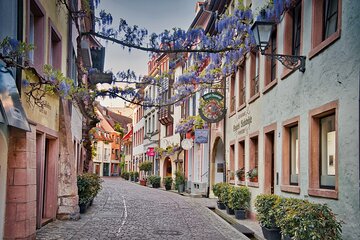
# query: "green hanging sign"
[[212, 107]]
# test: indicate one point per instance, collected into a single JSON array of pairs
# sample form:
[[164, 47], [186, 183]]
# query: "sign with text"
[[150, 152], [212, 108], [201, 135]]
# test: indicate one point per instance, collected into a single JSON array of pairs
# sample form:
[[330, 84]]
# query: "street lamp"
[[262, 31]]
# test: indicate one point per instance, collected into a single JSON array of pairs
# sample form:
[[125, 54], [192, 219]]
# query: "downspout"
[[208, 188], [224, 131]]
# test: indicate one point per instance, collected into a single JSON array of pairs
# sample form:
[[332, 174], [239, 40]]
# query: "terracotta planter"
[[143, 182], [242, 178], [254, 179]]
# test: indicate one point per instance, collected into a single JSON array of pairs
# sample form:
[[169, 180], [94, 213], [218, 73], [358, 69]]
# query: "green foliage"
[[302, 219], [240, 173], [239, 198], [252, 173], [131, 174], [168, 181], [119, 129], [136, 174], [179, 178], [125, 175], [89, 184], [154, 181], [217, 188], [225, 193], [145, 166], [265, 208]]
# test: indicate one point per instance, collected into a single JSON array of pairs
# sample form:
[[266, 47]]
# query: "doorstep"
[[246, 226]]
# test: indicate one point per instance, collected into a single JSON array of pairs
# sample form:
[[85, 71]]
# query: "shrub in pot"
[[154, 181], [240, 201], [301, 219], [179, 181], [136, 176], [126, 175], [225, 197], [241, 174], [89, 185], [217, 189], [167, 182], [265, 205], [131, 174]]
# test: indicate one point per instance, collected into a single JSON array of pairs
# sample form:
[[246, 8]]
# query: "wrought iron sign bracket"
[[289, 61]]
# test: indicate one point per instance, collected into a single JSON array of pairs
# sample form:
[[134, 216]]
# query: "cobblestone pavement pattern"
[[125, 210]]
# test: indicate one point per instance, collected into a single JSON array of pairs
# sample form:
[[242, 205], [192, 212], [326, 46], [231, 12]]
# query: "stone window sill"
[[241, 107], [270, 85], [325, 193], [290, 189], [253, 98], [253, 184], [324, 44]]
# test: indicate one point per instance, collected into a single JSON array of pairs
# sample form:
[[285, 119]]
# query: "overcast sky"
[[155, 16]]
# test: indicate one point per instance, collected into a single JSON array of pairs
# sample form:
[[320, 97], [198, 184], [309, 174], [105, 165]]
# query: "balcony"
[[165, 116]]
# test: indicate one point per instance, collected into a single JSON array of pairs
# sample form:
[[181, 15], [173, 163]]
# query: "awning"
[[11, 110], [128, 135]]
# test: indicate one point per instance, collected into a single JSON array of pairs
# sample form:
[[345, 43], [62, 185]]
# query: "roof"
[[113, 118]]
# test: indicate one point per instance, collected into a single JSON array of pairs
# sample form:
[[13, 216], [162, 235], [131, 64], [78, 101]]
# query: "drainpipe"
[[208, 188], [224, 132]]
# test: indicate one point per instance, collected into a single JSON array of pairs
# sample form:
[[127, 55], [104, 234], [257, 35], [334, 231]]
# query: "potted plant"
[[145, 166], [301, 219], [89, 185], [225, 197], [126, 175], [136, 176], [179, 181], [132, 175], [217, 189], [266, 215], [154, 181], [252, 174], [240, 201], [168, 183], [241, 174]]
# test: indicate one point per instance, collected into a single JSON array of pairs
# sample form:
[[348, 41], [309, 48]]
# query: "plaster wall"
[[331, 75]]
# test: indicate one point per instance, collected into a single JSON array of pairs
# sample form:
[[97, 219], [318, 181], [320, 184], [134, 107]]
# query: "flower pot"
[[240, 214], [221, 205], [155, 185], [91, 202], [230, 211], [143, 182], [180, 188], [83, 207], [271, 233], [254, 179], [242, 178], [168, 187], [286, 237]]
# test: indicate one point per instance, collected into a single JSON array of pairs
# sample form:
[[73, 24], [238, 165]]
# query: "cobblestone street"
[[125, 210]]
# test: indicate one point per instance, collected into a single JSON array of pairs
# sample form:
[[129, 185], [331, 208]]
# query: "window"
[[326, 24], [294, 155], [254, 76], [194, 105], [327, 151], [270, 63], [296, 17], [36, 37], [55, 49], [241, 156], [330, 18], [169, 129], [323, 157], [232, 163], [254, 152], [232, 94], [242, 84], [290, 156]]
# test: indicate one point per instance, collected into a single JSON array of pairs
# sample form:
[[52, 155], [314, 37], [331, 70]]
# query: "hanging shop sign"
[[187, 144], [201, 135], [150, 152], [212, 109], [10, 101]]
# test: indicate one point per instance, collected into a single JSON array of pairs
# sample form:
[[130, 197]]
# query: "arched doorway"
[[167, 167], [217, 165]]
